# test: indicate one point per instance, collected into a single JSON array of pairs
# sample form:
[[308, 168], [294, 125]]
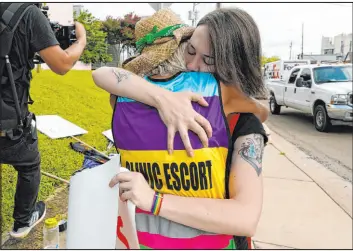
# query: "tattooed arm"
[[245, 179], [126, 84], [251, 150], [123, 83], [175, 109]]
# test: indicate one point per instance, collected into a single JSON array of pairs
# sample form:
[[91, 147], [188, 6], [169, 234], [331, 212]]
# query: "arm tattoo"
[[252, 151], [121, 74]]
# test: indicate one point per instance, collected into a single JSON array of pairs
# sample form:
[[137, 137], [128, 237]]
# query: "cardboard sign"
[[94, 210], [56, 127], [126, 235], [109, 135]]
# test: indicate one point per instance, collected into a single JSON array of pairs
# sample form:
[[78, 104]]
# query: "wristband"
[[157, 203]]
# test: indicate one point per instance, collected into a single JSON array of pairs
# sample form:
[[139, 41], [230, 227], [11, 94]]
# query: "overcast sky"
[[279, 23]]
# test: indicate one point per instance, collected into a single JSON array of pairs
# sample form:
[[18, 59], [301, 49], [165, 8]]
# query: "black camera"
[[65, 34]]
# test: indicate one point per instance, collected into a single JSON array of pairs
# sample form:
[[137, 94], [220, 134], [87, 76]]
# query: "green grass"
[[75, 98]]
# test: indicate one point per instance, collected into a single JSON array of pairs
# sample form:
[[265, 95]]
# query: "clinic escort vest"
[[141, 138]]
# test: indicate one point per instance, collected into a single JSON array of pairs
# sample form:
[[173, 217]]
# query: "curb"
[[338, 189]]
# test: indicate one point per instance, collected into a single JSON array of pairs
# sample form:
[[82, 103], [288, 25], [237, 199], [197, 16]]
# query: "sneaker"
[[21, 231]]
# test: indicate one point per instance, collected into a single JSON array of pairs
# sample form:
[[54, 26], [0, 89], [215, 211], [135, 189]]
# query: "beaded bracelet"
[[157, 203]]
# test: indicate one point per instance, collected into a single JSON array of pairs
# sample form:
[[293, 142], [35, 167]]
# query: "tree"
[[129, 22], [265, 60], [121, 33], [96, 48]]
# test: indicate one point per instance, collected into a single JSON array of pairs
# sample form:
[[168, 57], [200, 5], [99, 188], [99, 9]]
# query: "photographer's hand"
[[80, 33], [61, 61]]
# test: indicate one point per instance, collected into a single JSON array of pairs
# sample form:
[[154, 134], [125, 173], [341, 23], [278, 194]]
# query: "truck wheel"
[[274, 107], [321, 120]]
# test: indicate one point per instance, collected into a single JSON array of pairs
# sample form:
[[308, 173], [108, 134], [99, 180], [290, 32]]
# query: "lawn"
[[75, 98]]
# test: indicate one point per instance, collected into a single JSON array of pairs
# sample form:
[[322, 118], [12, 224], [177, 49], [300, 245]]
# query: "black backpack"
[[10, 16]]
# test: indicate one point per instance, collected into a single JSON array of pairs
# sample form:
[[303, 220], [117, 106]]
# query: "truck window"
[[293, 76], [329, 74], [306, 74]]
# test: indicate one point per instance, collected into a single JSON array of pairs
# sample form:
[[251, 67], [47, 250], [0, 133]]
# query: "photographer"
[[31, 33]]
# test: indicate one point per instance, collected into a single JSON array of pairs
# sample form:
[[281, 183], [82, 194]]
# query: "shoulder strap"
[[232, 120], [12, 13], [10, 16], [241, 241]]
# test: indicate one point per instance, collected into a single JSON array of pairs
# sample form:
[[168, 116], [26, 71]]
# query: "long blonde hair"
[[176, 63]]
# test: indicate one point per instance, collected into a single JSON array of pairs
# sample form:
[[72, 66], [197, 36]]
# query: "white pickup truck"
[[325, 91]]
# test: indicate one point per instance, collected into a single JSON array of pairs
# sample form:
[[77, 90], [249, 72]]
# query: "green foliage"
[[96, 48], [121, 35], [265, 60], [76, 98], [121, 30], [113, 28]]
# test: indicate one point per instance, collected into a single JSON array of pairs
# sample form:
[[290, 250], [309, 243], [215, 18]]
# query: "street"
[[333, 149]]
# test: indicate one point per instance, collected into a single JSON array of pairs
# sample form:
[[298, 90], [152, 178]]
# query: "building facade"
[[339, 46], [327, 46], [78, 8]]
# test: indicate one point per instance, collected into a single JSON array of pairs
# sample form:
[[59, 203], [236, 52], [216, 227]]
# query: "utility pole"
[[290, 50], [159, 6], [218, 5], [302, 55], [193, 14]]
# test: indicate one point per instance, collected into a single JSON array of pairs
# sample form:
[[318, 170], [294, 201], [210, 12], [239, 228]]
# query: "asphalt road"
[[333, 149]]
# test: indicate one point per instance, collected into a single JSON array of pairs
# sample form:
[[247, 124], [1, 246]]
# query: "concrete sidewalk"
[[305, 206]]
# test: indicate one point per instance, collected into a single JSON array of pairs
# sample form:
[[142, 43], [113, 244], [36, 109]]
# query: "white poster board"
[[56, 127], [109, 135], [126, 227], [94, 208]]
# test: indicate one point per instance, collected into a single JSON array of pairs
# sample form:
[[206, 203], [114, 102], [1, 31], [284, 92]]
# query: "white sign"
[[126, 228], [56, 127], [109, 135], [94, 208]]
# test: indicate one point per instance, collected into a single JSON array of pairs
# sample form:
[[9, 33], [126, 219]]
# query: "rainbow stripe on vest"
[[141, 139]]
